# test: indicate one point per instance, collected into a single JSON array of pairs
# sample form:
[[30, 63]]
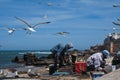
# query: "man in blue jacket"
[[59, 53]]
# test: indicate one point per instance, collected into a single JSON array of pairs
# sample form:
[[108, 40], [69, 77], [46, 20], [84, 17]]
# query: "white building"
[[114, 35], [112, 42]]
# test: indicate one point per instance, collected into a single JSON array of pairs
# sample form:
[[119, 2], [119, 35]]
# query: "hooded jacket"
[[59, 48]]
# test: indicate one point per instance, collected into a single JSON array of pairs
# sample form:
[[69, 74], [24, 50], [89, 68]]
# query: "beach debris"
[[116, 59], [30, 28], [60, 73]]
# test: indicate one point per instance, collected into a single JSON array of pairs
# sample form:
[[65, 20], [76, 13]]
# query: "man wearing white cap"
[[97, 61], [59, 53]]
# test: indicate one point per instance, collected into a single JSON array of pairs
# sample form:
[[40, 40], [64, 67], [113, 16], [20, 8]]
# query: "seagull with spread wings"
[[116, 23], [115, 29], [62, 33], [116, 5], [50, 3], [30, 28], [9, 30]]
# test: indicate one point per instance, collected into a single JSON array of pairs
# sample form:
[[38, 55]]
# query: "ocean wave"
[[38, 52], [42, 52], [13, 65]]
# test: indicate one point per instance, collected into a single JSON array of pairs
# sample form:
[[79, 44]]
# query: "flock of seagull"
[[31, 28], [115, 23]]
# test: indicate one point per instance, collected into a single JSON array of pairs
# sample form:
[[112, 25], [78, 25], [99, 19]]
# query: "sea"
[[6, 56]]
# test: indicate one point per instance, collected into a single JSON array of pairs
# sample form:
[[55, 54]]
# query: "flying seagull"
[[48, 3], [115, 29], [30, 28], [118, 19], [116, 23], [116, 5], [62, 33], [112, 29], [9, 30], [44, 16]]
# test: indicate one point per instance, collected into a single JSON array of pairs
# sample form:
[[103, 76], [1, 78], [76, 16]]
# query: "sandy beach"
[[42, 73]]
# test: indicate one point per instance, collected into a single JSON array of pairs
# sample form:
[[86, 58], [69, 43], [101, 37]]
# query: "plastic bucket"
[[113, 67], [96, 75], [51, 69], [80, 66]]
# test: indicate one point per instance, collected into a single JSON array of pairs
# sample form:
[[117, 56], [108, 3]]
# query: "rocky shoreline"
[[42, 72], [31, 59], [38, 71]]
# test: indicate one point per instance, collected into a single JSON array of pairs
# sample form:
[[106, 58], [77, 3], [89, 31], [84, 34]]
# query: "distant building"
[[97, 48], [112, 42]]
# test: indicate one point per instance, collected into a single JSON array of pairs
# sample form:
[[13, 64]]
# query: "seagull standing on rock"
[[31, 73]]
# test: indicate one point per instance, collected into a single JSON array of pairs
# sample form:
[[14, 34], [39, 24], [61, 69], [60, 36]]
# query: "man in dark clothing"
[[59, 53]]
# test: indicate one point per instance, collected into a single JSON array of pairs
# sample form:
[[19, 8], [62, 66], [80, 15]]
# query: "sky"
[[87, 21]]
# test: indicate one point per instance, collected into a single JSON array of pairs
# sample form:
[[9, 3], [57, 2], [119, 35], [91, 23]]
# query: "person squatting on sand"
[[97, 61], [58, 52]]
